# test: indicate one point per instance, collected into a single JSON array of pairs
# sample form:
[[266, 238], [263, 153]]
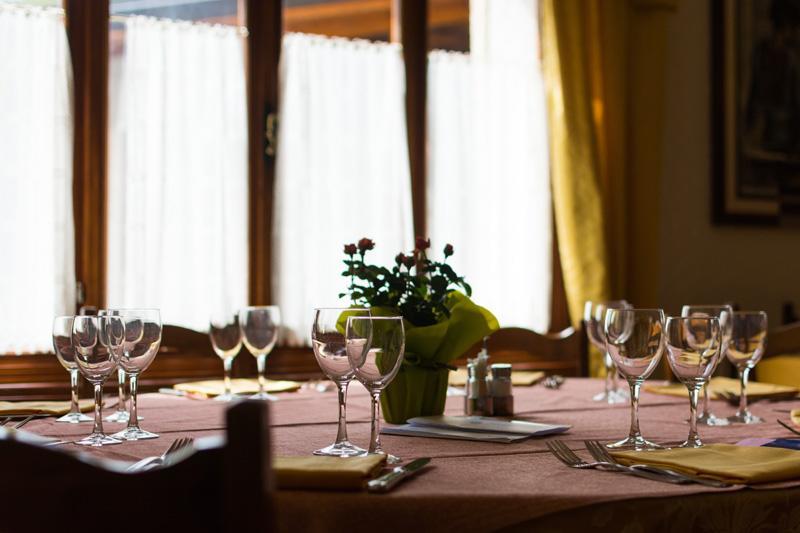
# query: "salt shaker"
[[478, 400], [501, 390]]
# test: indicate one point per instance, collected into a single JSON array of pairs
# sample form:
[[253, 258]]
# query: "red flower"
[[409, 261], [350, 249], [400, 258], [448, 250], [423, 244], [365, 244]]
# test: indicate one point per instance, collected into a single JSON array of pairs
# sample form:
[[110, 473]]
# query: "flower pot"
[[415, 391]]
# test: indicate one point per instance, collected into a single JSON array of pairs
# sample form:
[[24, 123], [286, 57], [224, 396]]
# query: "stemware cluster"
[[695, 342], [350, 343], [257, 327], [97, 345]]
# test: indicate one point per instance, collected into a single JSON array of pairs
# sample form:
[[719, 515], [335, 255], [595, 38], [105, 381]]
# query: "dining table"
[[487, 486]]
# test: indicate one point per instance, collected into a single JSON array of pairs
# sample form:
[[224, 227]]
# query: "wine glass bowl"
[[330, 350], [694, 346], [142, 339], [65, 353], [259, 327], [375, 349], [635, 340], [746, 347], [226, 340], [98, 346]]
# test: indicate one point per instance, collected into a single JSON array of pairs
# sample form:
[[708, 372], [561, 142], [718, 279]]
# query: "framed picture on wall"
[[755, 110]]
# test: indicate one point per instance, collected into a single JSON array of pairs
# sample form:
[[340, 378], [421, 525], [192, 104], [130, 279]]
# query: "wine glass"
[[142, 340], [594, 319], [723, 313], [98, 345], [328, 342], [259, 327], [694, 346], [375, 349], [635, 340], [748, 337], [121, 415], [65, 352], [226, 339]]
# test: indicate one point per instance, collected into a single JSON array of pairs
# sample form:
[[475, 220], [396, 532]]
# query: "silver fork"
[[787, 426], [600, 453], [569, 458], [148, 462], [4, 421]]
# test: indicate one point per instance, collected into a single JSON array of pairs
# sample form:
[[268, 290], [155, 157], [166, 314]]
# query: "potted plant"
[[440, 319]]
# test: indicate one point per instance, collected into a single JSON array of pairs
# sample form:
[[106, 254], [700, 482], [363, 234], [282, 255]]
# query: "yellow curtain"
[[603, 65], [574, 165]]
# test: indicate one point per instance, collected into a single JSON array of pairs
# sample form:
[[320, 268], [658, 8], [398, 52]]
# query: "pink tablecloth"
[[483, 486]]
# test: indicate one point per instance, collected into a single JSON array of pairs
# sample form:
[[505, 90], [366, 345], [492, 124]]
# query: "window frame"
[[87, 26]]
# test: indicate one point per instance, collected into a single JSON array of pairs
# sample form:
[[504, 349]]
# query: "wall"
[[700, 263]]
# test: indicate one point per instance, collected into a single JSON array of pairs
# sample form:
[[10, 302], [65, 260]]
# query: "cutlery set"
[[605, 461], [165, 459], [23, 419]]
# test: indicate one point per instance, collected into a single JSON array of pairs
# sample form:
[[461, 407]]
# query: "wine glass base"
[[341, 449], [98, 439], [612, 397], [709, 419], [74, 418], [134, 434], [119, 417], [392, 459], [634, 443], [227, 398], [696, 443], [745, 418], [264, 396]]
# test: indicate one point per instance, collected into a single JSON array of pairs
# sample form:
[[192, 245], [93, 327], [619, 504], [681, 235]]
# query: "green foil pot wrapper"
[[420, 387]]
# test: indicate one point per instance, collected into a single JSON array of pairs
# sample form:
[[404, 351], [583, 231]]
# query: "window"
[[36, 232], [177, 183]]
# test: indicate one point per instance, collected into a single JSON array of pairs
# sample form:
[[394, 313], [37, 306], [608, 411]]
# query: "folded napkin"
[[755, 390], [519, 378], [42, 407], [725, 462], [795, 417], [327, 473], [215, 387]]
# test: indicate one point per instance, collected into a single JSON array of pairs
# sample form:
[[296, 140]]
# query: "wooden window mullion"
[[87, 31]]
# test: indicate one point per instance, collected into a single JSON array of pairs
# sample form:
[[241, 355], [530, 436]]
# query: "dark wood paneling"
[[87, 30], [410, 28]]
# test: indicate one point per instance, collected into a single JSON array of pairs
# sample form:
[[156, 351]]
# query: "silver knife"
[[387, 481]]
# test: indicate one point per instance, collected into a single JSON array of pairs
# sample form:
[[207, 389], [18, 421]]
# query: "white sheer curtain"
[[37, 270], [342, 168], [177, 236], [488, 174]]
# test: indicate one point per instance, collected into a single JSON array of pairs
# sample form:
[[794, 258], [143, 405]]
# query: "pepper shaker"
[[502, 391]]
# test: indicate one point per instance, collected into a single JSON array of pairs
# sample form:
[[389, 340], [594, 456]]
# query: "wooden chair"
[[562, 353], [224, 488], [781, 362]]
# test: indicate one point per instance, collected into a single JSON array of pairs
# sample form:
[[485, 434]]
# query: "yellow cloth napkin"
[[215, 387], [519, 378], [42, 407], [755, 389], [725, 462], [332, 473], [782, 369], [795, 417]]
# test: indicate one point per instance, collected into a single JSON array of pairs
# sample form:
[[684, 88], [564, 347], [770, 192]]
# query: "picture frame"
[[755, 111]]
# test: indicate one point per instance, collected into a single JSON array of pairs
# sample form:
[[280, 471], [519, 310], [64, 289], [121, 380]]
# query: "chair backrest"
[[556, 353], [225, 488], [783, 340]]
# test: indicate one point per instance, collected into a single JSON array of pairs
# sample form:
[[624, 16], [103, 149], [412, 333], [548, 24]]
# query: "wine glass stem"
[[227, 364], [133, 419], [693, 394], [261, 361], [743, 375], [375, 438], [73, 386], [341, 435], [635, 385], [121, 399], [609, 367], [98, 409]]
